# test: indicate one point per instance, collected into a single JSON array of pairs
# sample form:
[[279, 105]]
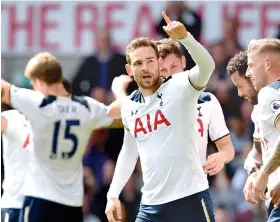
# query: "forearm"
[[253, 161], [204, 61], [274, 161], [5, 92], [114, 109], [225, 147]]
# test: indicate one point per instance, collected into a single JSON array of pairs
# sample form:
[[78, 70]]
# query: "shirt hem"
[[175, 197]]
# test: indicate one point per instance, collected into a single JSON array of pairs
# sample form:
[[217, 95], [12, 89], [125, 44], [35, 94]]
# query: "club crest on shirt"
[[275, 105]]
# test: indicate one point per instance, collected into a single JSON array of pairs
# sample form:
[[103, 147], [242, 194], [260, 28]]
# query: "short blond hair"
[[167, 47], [264, 45], [137, 43], [44, 66]]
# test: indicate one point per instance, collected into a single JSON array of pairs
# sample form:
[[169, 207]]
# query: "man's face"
[[144, 67], [244, 87], [171, 65], [256, 70]]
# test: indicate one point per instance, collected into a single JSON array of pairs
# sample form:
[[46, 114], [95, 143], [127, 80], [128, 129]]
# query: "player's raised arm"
[[3, 123], [119, 87], [5, 92], [205, 64], [25, 100], [124, 168]]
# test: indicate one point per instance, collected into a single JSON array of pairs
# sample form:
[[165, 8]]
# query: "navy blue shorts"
[[40, 210], [9, 214], [273, 213], [195, 208]]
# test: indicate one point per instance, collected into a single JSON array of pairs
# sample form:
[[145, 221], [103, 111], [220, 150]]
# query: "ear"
[[268, 62], [184, 62], [128, 69]]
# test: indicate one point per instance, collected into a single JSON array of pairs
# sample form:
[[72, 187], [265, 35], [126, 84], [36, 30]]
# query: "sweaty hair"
[[44, 66], [137, 43], [238, 64], [167, 47], [264, 45]]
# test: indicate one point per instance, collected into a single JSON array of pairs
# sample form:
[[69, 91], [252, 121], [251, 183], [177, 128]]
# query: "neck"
[[272, 77], [151, 91], [57, 89]]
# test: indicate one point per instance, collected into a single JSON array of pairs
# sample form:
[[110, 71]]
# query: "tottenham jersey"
[[268, 115], [164, 127], [254, 118], [62, 127], [210, 121], [17, 142]]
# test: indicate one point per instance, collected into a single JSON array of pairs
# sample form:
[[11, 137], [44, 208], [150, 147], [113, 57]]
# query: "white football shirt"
[[254, 118], [210, 121], [164, 127], [62, 127], [17, 145], [268, 115]]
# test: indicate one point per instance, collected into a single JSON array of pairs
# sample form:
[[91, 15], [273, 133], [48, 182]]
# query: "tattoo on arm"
[[274, 162]]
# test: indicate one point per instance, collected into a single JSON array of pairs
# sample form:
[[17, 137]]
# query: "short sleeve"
[[26, 101], [217, 127], [183, 83], [254, 116], [12, 120], [124, 108], [269, 105], [99, 115]]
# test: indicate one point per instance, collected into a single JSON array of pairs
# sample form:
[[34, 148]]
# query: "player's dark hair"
[[44, 66], [238, 64], [137, 43], [167, 47]]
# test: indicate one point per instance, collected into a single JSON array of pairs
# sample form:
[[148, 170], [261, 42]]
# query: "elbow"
[[211, 64], [231, 153], [112, 113]]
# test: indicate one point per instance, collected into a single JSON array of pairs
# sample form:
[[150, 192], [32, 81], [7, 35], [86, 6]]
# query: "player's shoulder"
[[269, 93], [11, 113], [205, 97]]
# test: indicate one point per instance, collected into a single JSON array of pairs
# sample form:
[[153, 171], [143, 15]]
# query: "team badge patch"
[[275, 105]]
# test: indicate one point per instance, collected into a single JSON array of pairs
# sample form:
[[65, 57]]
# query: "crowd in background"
[[94, 77]]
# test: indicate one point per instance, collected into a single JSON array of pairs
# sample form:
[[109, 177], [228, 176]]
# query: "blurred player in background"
[[210, 118], [17, 145], [264, 72], [236, 68], [160, 128], [62, 124]]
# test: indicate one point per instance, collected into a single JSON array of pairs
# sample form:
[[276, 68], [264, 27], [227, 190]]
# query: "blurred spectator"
[[130, 198], [179, 11], [229, 39], [101, 68], [89, 189], [100, 199], [221, 214]]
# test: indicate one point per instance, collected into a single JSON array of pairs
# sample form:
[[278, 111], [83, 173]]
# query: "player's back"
[[62, 127], [17, 143]]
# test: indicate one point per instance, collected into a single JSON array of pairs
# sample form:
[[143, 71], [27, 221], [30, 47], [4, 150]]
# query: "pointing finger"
[[166, 18]]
